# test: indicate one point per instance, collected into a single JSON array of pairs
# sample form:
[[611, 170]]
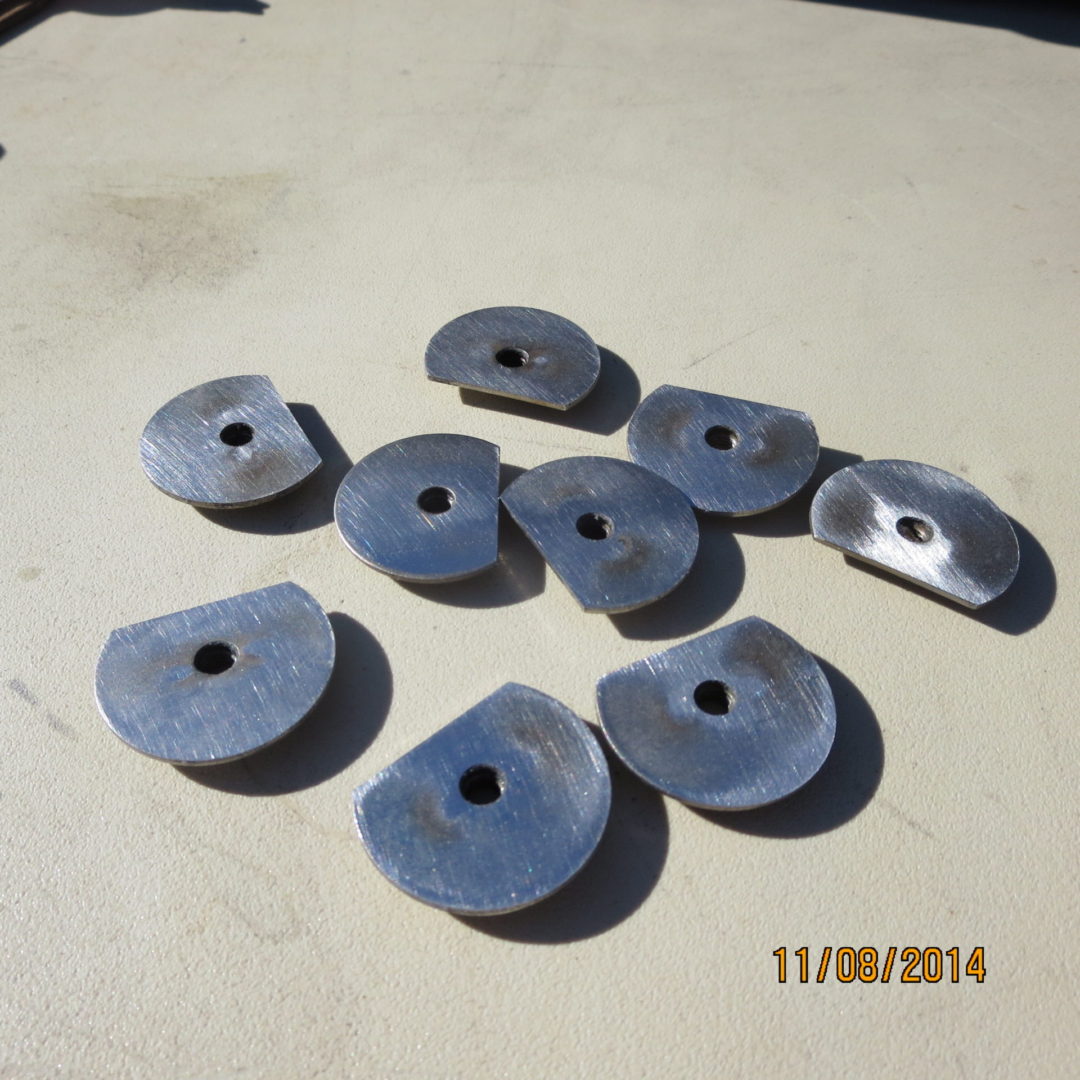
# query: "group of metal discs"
[[507, 802]]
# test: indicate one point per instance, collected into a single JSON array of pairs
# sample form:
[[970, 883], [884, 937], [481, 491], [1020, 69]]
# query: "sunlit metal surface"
[[921, 523], [496, 811], [220, 681], [617, 535], [728, 455], [425, 508], [228, 443], [734, 719], [516, 352]]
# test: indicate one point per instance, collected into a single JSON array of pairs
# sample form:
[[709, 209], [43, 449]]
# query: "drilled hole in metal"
[[721, 438], [435, 500], [715, 698], [214, 658], [512, 358], [594, 526], [236, 434], [915, 529], [480, 785]]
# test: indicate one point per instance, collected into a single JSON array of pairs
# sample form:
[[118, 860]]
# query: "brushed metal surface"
[[516, 352], [617, 535], [921, 523], [425, 508], [220, 681], [736, 718], [729, 456], [228, 443], [494, 812]]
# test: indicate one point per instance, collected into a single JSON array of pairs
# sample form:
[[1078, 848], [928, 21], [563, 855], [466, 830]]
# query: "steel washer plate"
[[494, 812], [736, 718], [266, 658], [921, 523], [227, 444], [516, 352]]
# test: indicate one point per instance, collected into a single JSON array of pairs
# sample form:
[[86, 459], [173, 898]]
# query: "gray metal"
[[424, 508], [617, 535], [734, 719], [226, 444], [922, 524], [516, 352], [216, 682], [729, 456], [496, 811]]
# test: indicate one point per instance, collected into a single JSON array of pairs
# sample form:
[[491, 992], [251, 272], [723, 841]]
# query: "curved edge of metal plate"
[[487, 556], [971, 560], [752, 643], [262, 383], [302, 598], [663, 464], [588, 603], [427, 815], [438, 370]]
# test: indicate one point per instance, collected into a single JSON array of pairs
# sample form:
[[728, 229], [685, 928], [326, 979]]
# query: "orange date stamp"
[[910, 964]]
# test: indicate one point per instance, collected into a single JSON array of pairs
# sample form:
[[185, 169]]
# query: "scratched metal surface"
[[430, 841], [552, 360], [153, 696], [648, 533], [860, 213], [969, 551], [765, 456], [772, 734], [185, 454]]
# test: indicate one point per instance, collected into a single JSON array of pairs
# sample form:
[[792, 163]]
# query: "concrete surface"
[[865, 214]]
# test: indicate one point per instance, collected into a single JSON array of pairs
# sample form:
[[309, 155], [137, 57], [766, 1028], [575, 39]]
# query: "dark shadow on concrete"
[[606, 408], [708, 591], [1023, 605], [793, 517], [26, 16], [1048, 20], [2, 152], [311, 505], [520, 573], [844, 785], [338, 730], [614, 883]]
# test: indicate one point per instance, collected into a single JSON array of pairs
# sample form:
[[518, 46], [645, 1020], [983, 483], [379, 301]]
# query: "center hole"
[[594, 526], [721, 438], [915, 529], [435, 500], [715, 698], [512, 358], [236, 434], [480, 785], [214, 658]]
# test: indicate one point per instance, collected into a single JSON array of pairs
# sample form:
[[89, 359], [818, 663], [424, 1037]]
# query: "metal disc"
[[729, 456], [618, 536], [424, 508], [228, 443], [496, 811], [922, 524], [734, 719], [217, 682], [516, 352]]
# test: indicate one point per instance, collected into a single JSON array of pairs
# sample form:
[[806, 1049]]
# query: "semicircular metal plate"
[[228, 443], [494, 812], [733, 719], [425, 508], [516, 352], [220, 681], [729, 456], [617, 535], [921, 523]]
